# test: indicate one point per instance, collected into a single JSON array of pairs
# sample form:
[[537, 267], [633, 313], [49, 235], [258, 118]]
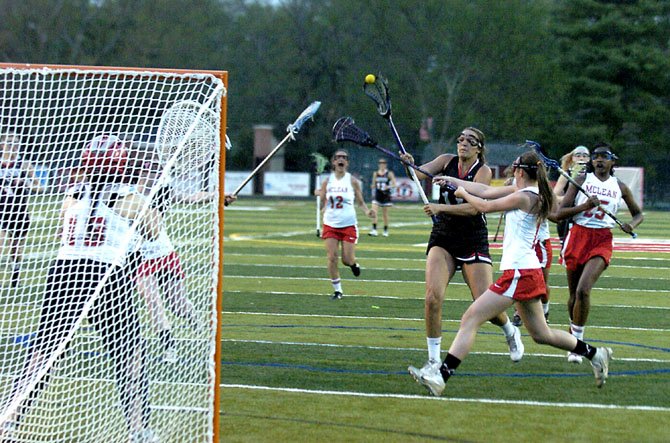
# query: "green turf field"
[[300, 367]]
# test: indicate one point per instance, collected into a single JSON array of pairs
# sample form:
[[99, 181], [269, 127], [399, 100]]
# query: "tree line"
[[561, 72]]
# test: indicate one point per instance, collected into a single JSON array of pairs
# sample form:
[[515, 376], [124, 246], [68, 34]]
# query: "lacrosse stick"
[[320, 163], [553, 164], [500, 220], [378, 91], [345, 130], [292, 130]]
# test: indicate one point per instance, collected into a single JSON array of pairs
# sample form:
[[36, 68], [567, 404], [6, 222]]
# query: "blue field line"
[[444, 331], [459, 374]]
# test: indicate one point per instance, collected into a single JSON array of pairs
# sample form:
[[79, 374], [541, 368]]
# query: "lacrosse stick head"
[[345, 130], [308, 113], [320, 162], [548, 162], [378, 91], [187, 138]]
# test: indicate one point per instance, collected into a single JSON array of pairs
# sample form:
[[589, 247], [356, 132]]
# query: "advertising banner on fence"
[[405, 190], [286, 184], [235, 178]]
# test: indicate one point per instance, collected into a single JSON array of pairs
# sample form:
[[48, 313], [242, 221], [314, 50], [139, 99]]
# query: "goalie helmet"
[[105, 156]]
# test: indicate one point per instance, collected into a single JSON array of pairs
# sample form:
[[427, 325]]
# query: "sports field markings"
[[269, 277], [560, 355], [452, 399], [363, 317], [394, 297]]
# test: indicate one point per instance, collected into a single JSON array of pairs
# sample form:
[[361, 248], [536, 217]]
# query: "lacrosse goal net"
[[110, 359]]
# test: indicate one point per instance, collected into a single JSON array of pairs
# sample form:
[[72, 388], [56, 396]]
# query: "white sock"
[[577, 331], [337, 285], [545, 307], [434, 348], [508, 328]]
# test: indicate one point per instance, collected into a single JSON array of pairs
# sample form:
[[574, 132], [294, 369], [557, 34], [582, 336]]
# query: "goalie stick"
[[292, 130], [378, 91], [553, 164]]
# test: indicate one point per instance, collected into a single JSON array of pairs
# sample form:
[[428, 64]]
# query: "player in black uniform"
[[96, 243], [17, 180], [459, 240], [383, 183]]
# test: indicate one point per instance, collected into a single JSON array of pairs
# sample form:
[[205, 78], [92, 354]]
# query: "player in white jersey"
[[527, 204], [339, 192], [17, 180], [96, 242], [587, 250], [161, 270]]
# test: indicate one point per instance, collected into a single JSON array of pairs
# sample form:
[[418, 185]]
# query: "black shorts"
[[382, 198], [71, 283], [464, 250]]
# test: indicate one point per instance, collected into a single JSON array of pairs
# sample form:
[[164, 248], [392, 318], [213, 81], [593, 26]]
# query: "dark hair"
[[530, 162], [481, 138], [601, 145]]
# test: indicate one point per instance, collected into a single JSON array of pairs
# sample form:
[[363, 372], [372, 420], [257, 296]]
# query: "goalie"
[[96, 218]]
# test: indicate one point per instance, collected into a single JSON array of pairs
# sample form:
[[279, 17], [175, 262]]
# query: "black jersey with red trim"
[[459, 226]]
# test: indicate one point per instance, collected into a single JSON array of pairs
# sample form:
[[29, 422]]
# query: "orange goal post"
[[111, 259]]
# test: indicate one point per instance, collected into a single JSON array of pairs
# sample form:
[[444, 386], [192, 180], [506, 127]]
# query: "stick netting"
[[109, 259]]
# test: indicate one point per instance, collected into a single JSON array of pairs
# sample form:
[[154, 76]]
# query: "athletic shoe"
[[516, 320], [144, 436], [355, 269], [429, 376], [515, 344], [8, 432], [336, 296], [600, 363], [574, 358], [170, 355], [546, 317], [373, 233], [385, 233]]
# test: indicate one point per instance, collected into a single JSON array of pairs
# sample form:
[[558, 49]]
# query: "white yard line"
[[450, 400]]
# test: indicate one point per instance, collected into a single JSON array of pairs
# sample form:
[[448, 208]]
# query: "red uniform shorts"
[[348, 234], [544, 254], [582, 244], [169, 263], [520, 284]]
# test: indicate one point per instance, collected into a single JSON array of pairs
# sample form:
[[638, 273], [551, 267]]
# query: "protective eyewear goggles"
[[606, 155], [472, 141], [344, 156]]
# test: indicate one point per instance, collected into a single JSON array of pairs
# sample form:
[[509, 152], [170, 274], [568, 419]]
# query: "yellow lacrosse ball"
[[370, 78]]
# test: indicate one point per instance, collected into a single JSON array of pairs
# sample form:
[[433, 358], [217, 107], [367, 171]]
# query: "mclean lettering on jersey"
[[336, 189], [601, 192]]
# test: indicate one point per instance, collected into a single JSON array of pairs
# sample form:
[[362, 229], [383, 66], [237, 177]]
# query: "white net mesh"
[[108, 269]]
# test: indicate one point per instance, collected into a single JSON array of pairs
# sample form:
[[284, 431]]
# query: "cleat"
[[385, 233], [516, 320], [546, 317], [356, 269], [170, 355], [144, 436], [574, 358], [429, 376], [373, 233], [8, 432], [515, 344], [336, 296], [600, 364]]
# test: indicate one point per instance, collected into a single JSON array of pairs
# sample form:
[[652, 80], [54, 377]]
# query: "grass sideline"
[[299, 367]]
